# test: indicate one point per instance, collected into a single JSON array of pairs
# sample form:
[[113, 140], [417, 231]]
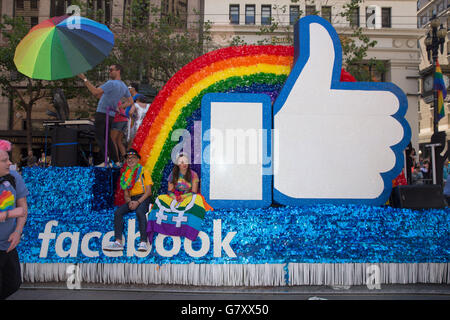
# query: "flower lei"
[[128, 178]]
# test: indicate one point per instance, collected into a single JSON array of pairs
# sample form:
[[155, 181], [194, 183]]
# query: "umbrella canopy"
[[57, 48]]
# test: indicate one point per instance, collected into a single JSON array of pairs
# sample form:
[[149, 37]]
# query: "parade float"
[[299, 200]]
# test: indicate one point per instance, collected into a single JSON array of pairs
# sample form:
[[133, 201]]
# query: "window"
[[326, 13], [34, 21], [294, 14], [423, 20], [34, 4], [137, 14], [266, 14], [58, 7], [386, 17], [440, 7], [173, 12], [19, 4], [310, 10], [100, 10], [250, 14], [354, 17], [234, 13]]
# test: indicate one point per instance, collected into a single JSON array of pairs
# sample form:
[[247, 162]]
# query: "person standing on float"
[[109, 94]]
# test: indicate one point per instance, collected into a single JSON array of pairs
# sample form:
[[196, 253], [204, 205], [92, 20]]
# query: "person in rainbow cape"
[[136, 183], [181, 211]]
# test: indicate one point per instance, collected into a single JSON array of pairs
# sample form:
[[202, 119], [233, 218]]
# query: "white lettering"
[[162, 251], [63, 250], [46, 237], [73, 250], [204, 248], [225, 244], [85, 244]]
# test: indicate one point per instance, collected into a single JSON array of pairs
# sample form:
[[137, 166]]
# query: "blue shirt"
[[137, 96], [6, 190], [447, 187], [113, 91]]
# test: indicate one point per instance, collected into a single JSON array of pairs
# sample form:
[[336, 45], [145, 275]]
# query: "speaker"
[[418, 197], [64, 147]]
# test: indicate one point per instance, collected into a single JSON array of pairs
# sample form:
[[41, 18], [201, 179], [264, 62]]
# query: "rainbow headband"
[[216, 71]]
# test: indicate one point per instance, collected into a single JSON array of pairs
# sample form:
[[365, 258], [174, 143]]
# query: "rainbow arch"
[[256, 69]]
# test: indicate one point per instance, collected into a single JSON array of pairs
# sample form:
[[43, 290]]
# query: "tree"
[[355, 47], [151, 43]]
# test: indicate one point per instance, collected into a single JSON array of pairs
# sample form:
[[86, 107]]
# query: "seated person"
[[182, 210], [183, 181], [136, 182], [417, 176]]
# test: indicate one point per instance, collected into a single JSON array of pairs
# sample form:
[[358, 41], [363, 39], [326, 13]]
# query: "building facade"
[[110, 12], [426, 10], [393, 24]]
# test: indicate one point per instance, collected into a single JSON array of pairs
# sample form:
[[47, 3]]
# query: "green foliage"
[[153, 45], [355, 47]]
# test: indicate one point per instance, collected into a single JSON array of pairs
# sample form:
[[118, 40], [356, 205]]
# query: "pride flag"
[[6, 200], [183, 219], [439, 86]]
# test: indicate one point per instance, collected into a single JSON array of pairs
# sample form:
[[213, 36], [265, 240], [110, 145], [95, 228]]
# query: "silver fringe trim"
[[362, 273], [241, 274]]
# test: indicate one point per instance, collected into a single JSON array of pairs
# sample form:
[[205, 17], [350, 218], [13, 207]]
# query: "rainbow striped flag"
[[183, 219], [6, 200], [439, 86]]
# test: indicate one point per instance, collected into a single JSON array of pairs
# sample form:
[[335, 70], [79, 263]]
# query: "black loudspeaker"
[[418, 197], [64, 147]]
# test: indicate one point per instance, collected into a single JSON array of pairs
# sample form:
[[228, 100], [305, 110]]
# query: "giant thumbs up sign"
[[338, 142]]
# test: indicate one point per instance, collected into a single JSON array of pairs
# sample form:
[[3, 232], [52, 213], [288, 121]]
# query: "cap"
[[132, 152]]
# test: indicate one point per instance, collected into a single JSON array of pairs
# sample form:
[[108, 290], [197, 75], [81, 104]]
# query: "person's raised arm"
[[97, 92]]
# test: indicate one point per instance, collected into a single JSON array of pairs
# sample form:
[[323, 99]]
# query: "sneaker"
[[101, 165], [114, 246], [143, 246]]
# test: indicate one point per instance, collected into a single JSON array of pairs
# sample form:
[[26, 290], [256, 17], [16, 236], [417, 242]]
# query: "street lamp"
[[434, 42]]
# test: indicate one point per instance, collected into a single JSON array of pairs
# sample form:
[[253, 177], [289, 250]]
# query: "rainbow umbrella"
[[62, 47]]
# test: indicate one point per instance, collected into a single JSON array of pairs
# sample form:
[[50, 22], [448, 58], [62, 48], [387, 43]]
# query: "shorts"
[[120, 126]]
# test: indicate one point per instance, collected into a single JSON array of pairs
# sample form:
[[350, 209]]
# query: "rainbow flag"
[[6, 200], [439, 86], [183, 219]]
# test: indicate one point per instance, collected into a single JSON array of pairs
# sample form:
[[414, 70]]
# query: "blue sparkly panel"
[[310, 234]]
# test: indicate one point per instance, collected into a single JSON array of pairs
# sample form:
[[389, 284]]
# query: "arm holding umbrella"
[[97, 92]]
